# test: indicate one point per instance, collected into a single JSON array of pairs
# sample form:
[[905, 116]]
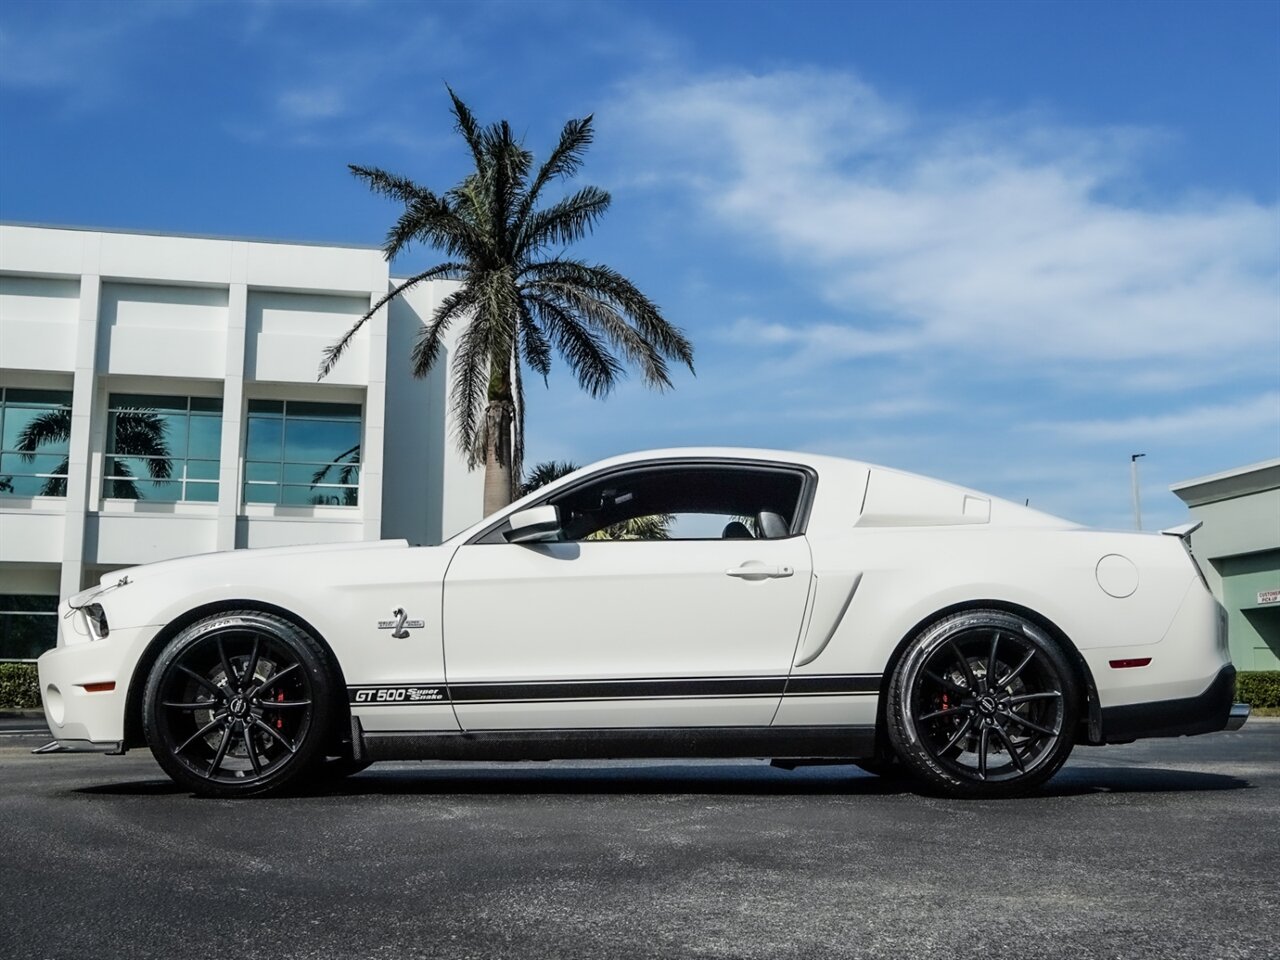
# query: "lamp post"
[[1137, 496]]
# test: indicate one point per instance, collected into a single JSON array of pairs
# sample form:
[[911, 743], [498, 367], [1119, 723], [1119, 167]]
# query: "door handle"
[[755, 570]]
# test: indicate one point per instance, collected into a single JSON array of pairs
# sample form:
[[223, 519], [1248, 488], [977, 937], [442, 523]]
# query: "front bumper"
[[1208, 712], [81, 715]]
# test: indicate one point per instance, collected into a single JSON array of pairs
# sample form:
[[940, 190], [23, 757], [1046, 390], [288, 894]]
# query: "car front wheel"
[[983, 704], [239, 704]]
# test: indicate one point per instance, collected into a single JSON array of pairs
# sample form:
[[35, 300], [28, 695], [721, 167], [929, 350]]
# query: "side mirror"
[[535, 525]]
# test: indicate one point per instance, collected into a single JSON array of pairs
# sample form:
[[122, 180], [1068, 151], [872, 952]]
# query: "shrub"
[[1258, 688], [19, 686]]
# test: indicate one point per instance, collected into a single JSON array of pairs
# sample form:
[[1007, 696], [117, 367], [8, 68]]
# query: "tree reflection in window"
[[35, 427], [163, 448], [302, 453]]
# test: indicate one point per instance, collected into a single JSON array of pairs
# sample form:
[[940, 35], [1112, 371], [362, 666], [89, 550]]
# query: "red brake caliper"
[[279, 719]]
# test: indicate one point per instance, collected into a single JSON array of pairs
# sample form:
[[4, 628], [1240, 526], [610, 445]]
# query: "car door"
[[684, 632]]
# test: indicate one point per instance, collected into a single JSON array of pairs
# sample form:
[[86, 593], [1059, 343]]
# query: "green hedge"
[[19, 687], [1258, 688]]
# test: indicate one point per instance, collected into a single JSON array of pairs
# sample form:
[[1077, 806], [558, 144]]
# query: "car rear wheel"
[[239, 704], [983, 704]]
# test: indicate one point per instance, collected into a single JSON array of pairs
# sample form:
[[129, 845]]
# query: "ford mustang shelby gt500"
[[684, 603]]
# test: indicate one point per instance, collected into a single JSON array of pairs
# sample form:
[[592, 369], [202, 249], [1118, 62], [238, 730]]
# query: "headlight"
[[97, 618]]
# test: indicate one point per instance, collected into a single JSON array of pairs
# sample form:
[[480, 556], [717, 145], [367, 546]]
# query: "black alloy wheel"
[[983, 704], [239, 704]]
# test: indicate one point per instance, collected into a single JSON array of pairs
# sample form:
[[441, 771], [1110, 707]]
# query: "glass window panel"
[[202, 469], [275, 407], [16, 420], [14, 485], [120, 489], [270, 472], [206, 405], [24, 636], [159, 490], [205, 437], [319, 441], [264, 439], [323, 411], [137, 433], [340, 473], [28, 603], [202, 492], [147, 401], [52, 397], [261, 493], [128, 467], [305, 496], [150, 433], [16, 463]]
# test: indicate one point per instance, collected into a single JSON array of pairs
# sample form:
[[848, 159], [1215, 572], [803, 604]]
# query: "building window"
[[28, 625], [302, 454], [35, 430], [162, 448]]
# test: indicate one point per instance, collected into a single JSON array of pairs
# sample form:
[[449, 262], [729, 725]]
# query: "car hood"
[[225, 562]]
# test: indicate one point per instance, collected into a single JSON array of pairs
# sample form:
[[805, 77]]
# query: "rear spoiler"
[[1183, 532]]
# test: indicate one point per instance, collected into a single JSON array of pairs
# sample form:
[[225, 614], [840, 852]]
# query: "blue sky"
[[1006, 244]]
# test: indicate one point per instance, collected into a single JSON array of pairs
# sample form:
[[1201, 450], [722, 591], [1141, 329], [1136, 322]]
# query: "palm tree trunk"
[[499, 474]]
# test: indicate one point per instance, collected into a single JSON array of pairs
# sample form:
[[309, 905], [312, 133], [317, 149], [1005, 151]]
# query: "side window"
[[684, 502]]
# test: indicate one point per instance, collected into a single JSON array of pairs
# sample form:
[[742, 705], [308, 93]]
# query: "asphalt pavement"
[[1167, 848]]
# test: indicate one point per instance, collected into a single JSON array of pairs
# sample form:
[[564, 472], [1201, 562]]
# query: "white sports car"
[[682, 603]]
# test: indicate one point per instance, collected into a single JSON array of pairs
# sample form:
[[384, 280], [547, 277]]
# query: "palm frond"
[[466, 124], [389, 185], [471, 361], [429, 341], [607, 284], [333, 353], [596, 369], [57, 486], [347, 462], [52, 426], [536, 349], [566, 221], [140, 432], [544, 473], [564, 161]]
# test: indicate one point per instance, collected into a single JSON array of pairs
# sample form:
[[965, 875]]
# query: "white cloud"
[[311, 104], [1007, 240], [1191, 425]]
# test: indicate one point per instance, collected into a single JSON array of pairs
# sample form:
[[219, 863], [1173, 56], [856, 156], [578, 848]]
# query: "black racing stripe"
[[564, 691], [619, 689], [832, 685]]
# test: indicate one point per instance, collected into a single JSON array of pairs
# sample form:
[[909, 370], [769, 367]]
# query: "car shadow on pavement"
[[1077, 781], [608, 780]]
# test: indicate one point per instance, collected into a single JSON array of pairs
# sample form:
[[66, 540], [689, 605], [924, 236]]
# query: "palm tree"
[[138, 433], [520, 297], [654, 527]]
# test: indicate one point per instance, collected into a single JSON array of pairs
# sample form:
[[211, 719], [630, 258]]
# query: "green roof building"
[[1238, 549]]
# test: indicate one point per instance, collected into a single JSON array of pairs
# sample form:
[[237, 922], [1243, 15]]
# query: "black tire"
[[240, 704], [964, 736]]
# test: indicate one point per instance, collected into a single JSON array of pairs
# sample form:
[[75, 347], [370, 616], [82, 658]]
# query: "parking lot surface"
[[1156, 849]]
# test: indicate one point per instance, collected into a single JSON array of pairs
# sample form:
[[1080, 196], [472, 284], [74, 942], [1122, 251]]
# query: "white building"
[[171, 384]]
